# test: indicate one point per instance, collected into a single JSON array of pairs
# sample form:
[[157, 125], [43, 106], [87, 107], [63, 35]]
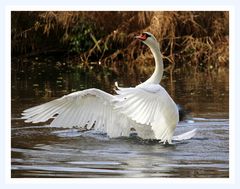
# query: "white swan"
[[148, 109]]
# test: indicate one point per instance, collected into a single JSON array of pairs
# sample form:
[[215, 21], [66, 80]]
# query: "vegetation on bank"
[[196, 39]]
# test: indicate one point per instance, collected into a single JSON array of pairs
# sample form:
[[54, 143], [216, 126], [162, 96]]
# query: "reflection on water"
[[41, 151]]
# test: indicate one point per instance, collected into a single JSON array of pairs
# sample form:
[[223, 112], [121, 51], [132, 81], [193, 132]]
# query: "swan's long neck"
[[158, 72]]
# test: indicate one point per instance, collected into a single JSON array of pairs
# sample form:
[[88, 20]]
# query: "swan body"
[[147, 108]]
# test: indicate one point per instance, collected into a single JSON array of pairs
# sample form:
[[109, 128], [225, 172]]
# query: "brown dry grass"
[[187, 38]]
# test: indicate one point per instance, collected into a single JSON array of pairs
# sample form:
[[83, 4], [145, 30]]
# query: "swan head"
[[148, 39]]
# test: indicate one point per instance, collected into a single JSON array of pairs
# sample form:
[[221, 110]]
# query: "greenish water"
[[41, 151]]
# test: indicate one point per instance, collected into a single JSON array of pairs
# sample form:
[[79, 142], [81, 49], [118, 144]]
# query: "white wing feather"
[[150, 106], [88, 108]]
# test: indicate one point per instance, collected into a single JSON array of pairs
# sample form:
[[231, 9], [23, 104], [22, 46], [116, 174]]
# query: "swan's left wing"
[[150, 105]]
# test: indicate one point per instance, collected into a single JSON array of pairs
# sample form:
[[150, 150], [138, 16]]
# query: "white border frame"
[[230, 180]]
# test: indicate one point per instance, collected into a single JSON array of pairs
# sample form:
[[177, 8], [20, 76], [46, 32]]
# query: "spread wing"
[[132, 107], [91, 108], [151, 106]]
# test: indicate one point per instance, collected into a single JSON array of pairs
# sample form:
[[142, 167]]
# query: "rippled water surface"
[[49, 152], [40, 151]]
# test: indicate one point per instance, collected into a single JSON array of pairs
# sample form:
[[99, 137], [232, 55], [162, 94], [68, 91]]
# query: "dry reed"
[[187, 38]]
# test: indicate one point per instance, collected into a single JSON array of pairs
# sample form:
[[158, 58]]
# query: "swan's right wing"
[[91, 108]]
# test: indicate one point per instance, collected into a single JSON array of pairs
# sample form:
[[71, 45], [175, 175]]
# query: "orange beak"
[[142, 37]]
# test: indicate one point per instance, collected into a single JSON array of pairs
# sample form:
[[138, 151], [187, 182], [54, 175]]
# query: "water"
[[40, 151]]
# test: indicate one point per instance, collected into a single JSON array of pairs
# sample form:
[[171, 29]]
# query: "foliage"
[[188, 38]]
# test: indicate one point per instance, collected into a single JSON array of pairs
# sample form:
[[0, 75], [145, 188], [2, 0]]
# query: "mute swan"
[[147, 108]]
